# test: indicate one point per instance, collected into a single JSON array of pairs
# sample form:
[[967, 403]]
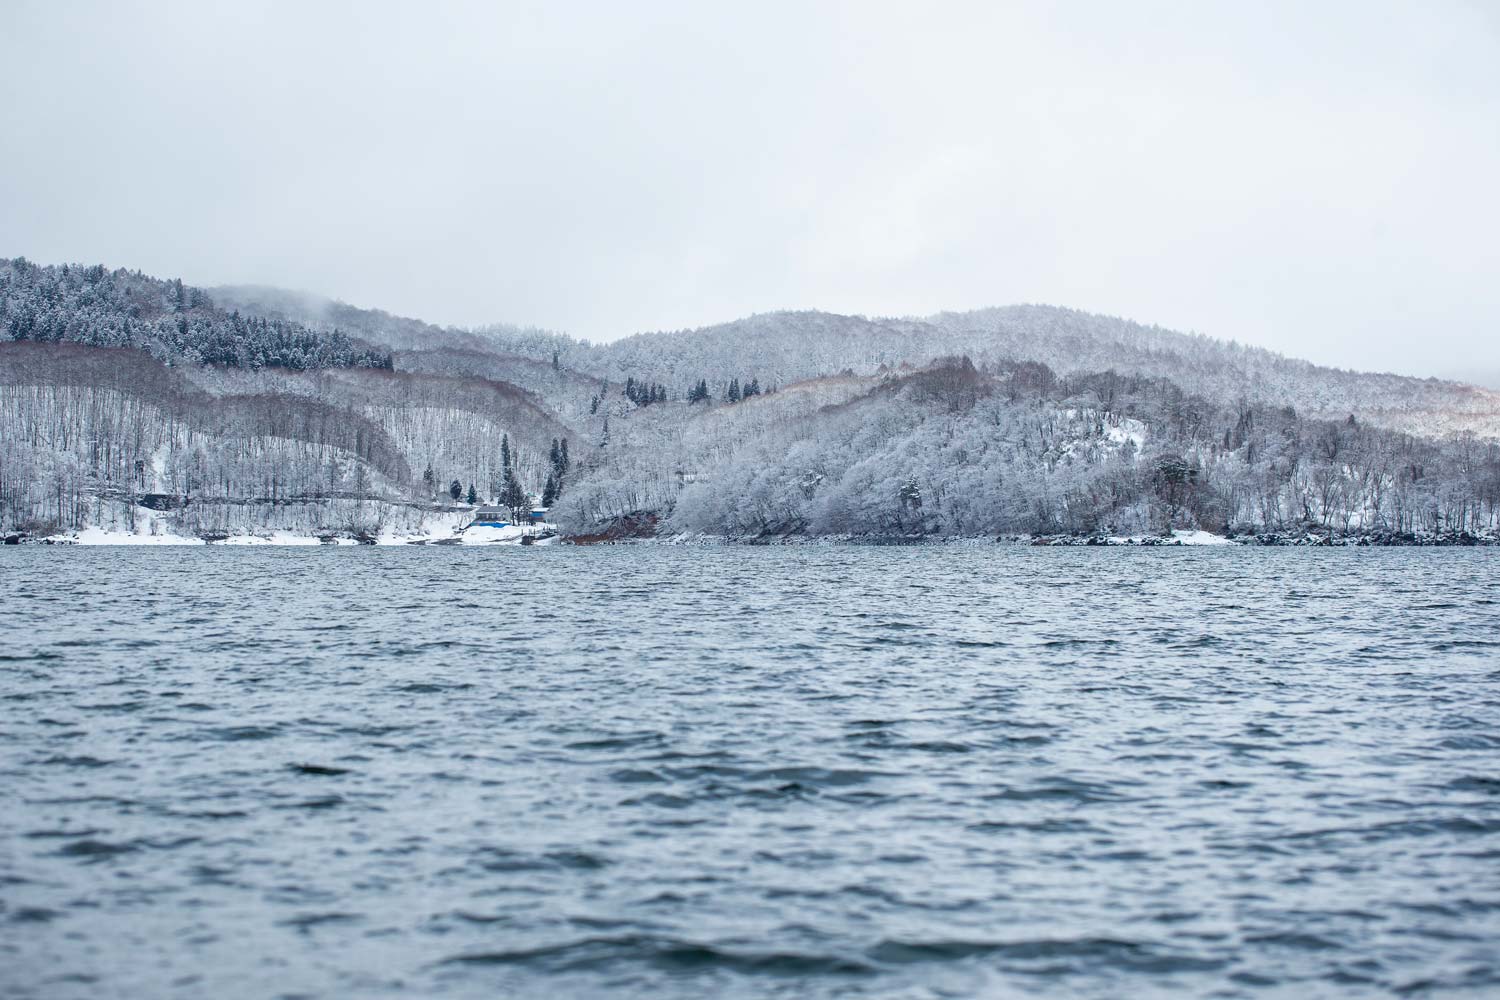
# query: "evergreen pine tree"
[[472, 496], [734, 391], [549, 491], [564, 463], [593, 406], [505, 452], [515, 497]]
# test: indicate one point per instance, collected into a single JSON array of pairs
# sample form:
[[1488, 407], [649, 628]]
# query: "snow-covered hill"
[[263, 411]]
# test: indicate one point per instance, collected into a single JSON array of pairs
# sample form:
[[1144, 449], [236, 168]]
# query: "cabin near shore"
[[491, 517]]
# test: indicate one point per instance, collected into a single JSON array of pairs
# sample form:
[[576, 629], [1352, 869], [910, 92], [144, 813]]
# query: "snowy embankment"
[[481, 534], [1178, 538], [472, 536], [445, 528]]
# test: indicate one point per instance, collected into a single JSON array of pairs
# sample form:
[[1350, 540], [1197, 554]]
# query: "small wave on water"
[[744, 773], [605, 953]]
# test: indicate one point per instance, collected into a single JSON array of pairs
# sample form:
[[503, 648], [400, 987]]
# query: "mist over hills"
[[249, 408]]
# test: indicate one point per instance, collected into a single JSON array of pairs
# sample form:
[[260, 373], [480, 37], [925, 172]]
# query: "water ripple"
[[806, 772]]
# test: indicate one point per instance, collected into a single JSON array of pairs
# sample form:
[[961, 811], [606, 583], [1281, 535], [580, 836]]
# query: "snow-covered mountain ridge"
[[784, 347], [254, 408]]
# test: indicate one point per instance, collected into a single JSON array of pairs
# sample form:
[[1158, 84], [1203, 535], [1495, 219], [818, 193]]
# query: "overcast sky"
[[1319, 178]]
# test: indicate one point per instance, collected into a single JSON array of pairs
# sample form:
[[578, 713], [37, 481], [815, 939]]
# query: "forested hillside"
[[89, 435], [167, 319], [952, 451], [134, 403]]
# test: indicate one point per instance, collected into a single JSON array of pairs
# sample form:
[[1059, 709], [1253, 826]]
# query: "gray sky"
[[1317, 178]]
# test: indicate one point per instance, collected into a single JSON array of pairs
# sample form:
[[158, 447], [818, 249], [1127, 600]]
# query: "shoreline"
[[513, 535]]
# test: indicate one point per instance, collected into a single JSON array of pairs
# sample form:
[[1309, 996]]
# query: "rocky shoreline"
[[632, 534], [1289, 539]]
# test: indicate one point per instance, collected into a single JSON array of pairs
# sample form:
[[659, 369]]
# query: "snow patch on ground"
[[483, 534], [151, 528], [1200, 538], [1179, 537], [102, 536], [275, 538], [1126, 429], [437, 527]]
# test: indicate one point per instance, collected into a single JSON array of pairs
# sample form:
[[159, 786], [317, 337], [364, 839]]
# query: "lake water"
[[803, 772]]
